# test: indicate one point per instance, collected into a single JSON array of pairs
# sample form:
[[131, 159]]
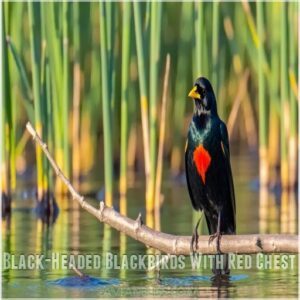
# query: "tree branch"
[[174, 244]]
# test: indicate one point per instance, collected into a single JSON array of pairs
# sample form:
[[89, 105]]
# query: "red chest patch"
[[202, 160]]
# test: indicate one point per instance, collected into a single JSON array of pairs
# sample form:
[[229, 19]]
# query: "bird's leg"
[[195, 236], [217, 234]]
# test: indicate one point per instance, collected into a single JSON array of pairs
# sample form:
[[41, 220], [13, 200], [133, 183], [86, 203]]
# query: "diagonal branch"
[[174, 244]]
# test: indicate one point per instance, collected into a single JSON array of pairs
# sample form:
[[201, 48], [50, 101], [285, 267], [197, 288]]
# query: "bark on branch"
[[174, 244]]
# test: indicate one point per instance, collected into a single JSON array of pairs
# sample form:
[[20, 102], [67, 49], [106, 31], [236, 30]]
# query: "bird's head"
[[204, 97]]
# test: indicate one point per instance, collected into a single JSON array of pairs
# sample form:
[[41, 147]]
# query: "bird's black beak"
[[194, 94]]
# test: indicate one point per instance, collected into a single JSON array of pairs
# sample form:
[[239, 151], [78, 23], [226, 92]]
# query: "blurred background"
[[90, 78]]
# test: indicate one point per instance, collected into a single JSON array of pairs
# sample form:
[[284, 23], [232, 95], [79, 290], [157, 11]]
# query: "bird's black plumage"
[[207, 162]]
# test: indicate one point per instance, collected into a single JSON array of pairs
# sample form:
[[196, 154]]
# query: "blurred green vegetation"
[[90, 75]]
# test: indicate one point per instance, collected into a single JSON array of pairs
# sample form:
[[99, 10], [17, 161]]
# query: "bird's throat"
[[200, 109]]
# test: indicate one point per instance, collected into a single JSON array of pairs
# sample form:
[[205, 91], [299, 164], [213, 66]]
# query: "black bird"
[[208, 170]]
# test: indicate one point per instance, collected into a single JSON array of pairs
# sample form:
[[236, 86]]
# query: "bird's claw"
[[195, 237], [214, 236], [194, 242]]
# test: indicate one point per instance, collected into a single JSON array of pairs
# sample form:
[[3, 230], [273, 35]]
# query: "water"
[[75, 231]]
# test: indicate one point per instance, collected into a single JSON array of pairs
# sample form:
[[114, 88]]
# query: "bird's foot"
[[217, 236], [194, 241], [195, 237]]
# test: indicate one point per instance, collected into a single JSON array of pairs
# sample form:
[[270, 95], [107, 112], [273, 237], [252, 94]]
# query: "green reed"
[[284, 96], [7, 151], [274, 84], [262, 102], [36, 65], [125, 80], [24, 81], [198, 33], [292, 16], [215, 45], [106, 106], [76, 157], [182, 87], [141, 64], [155, 25], [66, 89]]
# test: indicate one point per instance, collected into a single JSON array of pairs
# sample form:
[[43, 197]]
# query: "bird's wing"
[[226, 152], [188, 168]]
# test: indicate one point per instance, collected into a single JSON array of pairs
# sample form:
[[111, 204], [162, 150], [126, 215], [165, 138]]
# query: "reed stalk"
[[66, 94], [6, 123], [182, 86], [255, 37], [143, 90], [35, 61], [146, 36], [162, 129], [108, 164], [292, 21], [274, 118], [215, 45], [44, 108], [284, 121], [199, 37], [126, 28], [54, 47], [11, 134], [111, 28], [155, 25], [76, 98], [49, 118], [263, 120], [24, 81]]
